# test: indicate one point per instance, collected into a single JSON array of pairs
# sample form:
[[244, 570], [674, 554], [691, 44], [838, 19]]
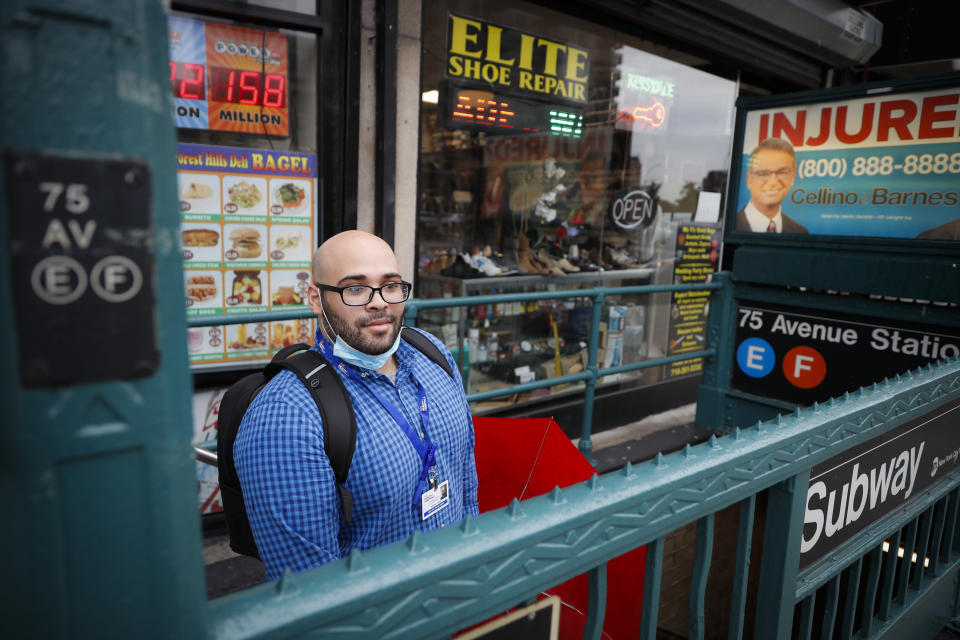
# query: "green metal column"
[[776, 593], [97, 480], [713, 409]]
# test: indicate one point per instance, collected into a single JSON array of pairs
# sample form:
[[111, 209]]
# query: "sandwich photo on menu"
[[200, 237], [245, 243]]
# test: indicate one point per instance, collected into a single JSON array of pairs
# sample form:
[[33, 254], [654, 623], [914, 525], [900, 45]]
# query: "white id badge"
[[434, 499]]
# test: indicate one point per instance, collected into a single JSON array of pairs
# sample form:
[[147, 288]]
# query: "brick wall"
[[679, 554]]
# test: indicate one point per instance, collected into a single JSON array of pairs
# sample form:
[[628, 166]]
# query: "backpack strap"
[[336, 413], [426, 347]]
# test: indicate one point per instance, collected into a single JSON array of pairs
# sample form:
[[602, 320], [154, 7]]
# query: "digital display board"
[[489, 111], [228, 78]]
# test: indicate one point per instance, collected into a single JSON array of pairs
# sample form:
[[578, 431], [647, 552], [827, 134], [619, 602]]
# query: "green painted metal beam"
[[98, 477]]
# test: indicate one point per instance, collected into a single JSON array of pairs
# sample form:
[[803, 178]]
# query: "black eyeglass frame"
[[373, 291]]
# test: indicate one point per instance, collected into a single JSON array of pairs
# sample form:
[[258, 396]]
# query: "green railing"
[[431, 585], [505, 558], [590, 375]]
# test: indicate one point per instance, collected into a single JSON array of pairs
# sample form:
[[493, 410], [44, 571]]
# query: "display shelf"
[[508, 343]]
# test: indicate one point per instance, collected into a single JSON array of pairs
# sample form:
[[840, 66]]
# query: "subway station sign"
[[848, 493], [802, 356], [80, 250], [515, 62]]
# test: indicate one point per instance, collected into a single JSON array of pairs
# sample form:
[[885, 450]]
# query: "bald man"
[[413, 467]]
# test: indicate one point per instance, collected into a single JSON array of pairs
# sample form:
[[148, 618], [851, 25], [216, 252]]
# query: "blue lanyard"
[[425, 448]]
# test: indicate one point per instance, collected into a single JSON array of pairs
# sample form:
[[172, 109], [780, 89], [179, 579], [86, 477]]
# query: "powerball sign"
[[886, 165], [228, 78]]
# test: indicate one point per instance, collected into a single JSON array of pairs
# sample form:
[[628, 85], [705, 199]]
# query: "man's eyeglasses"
[[357, 295], [763, 174]]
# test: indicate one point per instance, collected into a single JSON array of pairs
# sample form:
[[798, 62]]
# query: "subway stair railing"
[[432, 585], [206, 452]]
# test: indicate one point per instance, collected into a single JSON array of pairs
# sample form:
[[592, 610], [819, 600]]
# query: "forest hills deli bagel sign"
[[852, 491], [514, 62]]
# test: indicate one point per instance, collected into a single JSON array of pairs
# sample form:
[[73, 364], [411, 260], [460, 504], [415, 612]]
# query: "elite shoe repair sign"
[[516, 63], [848, 493]]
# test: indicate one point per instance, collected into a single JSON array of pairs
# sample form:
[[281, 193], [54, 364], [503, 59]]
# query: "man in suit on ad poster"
[[771, 170]]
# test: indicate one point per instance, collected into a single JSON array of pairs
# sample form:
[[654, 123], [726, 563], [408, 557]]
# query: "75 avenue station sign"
[[81, 263], [803, 356]]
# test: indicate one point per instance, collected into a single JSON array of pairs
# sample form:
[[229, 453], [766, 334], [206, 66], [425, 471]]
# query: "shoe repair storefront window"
[[557, 153], [245, 108]]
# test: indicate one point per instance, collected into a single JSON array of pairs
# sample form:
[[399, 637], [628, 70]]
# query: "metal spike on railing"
[[687, 450], [467, 525], [897, 377], [736, 433], [514, 509], [758, 426], [846, 396], [555, 496], [909, 372], [287, 582], [628, 470], [796, 412], [658, 460], [594, 482], [779, 419], [413, 542], [816, 406], [714, 444], [355, 561]]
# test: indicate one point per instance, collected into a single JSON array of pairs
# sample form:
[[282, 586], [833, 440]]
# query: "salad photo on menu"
[[289, 197], [244, 196]]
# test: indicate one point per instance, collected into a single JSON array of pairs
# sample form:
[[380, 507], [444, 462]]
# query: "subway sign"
[[849, 492], [511, 61], [803, 356]]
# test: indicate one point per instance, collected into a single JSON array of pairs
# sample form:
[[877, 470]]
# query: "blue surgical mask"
[[357, 358], [360, 359]]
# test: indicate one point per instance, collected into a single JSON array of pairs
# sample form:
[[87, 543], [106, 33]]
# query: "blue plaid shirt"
[[288, 484]]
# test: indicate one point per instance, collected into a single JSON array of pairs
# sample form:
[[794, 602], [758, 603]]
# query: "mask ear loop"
[[325, 319]]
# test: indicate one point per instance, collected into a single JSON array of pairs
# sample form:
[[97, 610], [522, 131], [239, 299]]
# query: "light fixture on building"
[[432, 96]]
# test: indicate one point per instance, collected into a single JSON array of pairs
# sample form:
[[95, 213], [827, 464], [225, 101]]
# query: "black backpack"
[[336, 412]]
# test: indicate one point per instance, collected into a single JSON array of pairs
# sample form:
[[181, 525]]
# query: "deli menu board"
[[248, 227]]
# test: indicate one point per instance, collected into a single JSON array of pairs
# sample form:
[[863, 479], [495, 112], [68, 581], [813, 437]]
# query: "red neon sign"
[[483, 111], [652, 116]]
